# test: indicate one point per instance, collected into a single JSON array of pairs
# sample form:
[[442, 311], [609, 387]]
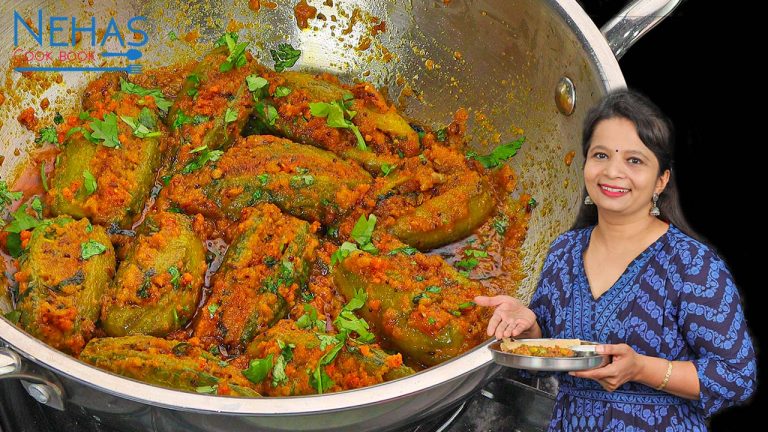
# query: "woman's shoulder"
[[693, 257], [687, 247]]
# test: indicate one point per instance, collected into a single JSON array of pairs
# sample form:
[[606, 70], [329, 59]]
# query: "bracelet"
[[666, 377]]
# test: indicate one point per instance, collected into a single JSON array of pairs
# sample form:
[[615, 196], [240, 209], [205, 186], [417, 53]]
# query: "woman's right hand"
[[510, 318]]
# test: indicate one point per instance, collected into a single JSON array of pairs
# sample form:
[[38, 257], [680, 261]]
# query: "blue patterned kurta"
[[676, 300]]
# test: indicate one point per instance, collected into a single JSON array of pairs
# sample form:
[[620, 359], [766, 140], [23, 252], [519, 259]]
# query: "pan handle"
[[41, 388], [635, 20]]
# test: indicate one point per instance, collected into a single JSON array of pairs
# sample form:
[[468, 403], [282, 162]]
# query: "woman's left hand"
[[625, 366]]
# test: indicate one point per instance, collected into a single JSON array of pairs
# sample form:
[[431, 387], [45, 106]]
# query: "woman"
[[631, 275]]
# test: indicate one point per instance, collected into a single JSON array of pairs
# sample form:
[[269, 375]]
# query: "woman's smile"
[[613, 191]]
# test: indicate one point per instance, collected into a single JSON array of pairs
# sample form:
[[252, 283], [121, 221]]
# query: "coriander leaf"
[[266, 112], [13, 244], [162, 103], [212, 308], [207, 389], [91, 248], [532, 202], [281, 91], [139, 129], [58, 118], [21, 221], [230, 115], [222, 40], [285, 56], [13, 316], [172, 35], [467, 264], [181, 119], [320, 380], [255, 83], [202, 158], [408, 250], [334, 113], [433, 289], [348, 321], [258, 369], [342, 252], [175, 275], [467, 305], [441, 134], [236, 56], [357, 301], [146, 118], [501, 223], [90, 182], [476, 253], [37, 206], [49, 135], [387, 168], [106, 130], [43, 176], [7, 197], [363, 229], [499, 154]]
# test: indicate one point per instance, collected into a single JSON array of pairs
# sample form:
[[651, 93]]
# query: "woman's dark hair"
[[656, 132]]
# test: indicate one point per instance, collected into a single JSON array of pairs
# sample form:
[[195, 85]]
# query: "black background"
[[693, 65]]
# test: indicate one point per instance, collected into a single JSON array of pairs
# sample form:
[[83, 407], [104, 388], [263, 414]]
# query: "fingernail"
[[572, 373]]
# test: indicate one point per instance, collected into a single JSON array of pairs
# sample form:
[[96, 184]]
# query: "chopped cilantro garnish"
[[43, 176], [387, 168], [212, 308], [48, 135], [202, 158], [335, 113], [236, 56], [285, 56], [258, 369], [230, 115], [162, 103], [91, 248], [106, 130], [266, 112], [90, 182], [408, 250], [499, 154], [175, 275], [281, 91]]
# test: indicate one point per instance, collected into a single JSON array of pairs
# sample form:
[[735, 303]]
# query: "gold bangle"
[[666, 377]]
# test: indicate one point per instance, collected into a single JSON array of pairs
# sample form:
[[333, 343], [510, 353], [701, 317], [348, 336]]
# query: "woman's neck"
[[624, 231]]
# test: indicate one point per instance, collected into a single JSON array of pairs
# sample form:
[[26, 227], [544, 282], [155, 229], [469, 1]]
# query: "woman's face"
[[620, 172]]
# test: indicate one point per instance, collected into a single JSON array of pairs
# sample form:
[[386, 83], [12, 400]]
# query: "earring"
[[588, 200], [655, 210]]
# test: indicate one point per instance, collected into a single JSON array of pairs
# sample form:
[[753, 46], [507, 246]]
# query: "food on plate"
[[541, 347]]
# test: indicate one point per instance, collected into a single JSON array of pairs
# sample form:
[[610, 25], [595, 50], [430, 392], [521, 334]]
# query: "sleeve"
[[542, 303], [714, 327]]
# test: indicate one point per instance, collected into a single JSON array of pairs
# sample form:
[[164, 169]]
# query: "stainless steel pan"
[[528, 64]]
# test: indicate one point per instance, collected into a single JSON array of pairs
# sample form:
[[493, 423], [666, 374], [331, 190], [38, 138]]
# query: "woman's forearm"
[[683, 379]]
